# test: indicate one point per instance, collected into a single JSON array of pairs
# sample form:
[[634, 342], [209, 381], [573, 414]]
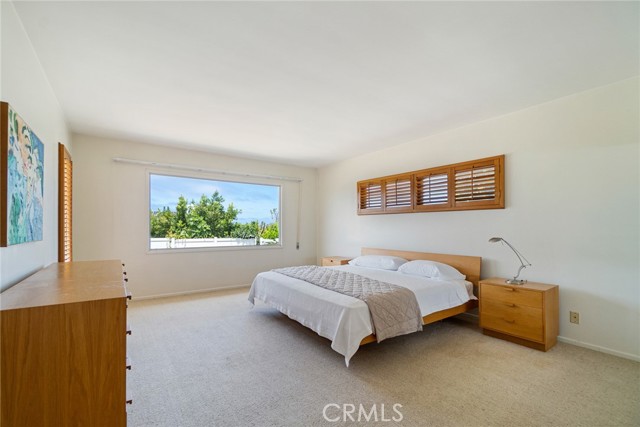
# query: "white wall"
[[572, 207], [111, 214], [25, 86]]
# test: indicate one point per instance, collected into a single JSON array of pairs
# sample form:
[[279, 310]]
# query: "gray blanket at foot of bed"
[[394, 309]]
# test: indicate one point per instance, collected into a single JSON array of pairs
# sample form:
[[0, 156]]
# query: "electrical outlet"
[[574, 317]]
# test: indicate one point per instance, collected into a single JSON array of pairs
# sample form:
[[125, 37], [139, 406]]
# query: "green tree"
[[271, 231], [205, 219], [197, 226], [246, 231], [161, 222], [228, 223], [179, 226], [210, 209]]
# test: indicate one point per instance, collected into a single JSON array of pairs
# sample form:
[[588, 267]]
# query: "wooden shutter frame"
[[395, 208], [363, 193], [498, 202], [65, 205], [428, 172]]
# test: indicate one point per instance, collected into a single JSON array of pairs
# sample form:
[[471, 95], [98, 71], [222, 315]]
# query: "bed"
[[345, 320]]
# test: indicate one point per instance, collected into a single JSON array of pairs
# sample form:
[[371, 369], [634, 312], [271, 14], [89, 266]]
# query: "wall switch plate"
[[574, 317]]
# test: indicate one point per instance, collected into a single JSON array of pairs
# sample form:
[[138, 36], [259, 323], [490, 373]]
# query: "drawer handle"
[[510, 304], [509, 289], [509, 321]]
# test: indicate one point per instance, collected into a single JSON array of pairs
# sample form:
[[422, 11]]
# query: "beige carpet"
[[210, 360]]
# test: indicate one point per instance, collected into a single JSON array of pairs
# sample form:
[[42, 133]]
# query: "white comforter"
[[343, 319]]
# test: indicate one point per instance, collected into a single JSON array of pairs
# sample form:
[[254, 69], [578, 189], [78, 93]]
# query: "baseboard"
[[600, 349], [198, 291]]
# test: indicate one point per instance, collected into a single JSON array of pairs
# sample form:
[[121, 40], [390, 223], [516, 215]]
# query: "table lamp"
[[521, 258]]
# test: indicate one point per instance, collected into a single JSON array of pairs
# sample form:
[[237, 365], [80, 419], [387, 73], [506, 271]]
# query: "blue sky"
[[254, 200]]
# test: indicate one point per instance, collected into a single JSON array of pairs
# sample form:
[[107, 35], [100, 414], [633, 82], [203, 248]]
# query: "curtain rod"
[[200, 169]]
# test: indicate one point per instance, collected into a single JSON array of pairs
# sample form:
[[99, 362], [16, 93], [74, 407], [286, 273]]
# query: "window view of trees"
[[209, 218]]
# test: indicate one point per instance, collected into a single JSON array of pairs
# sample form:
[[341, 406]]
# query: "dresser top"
[[528, 285], [66, 283]]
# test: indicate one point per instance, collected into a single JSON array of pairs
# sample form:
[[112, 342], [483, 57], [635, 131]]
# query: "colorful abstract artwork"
[[22, 182]]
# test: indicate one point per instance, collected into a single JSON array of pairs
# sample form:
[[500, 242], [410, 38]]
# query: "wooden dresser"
[[63, 347], [525, 314]]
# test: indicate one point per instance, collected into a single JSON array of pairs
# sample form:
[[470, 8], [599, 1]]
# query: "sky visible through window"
[[255, 200]]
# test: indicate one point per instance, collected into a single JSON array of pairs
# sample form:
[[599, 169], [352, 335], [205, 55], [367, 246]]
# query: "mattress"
[[345, 320]]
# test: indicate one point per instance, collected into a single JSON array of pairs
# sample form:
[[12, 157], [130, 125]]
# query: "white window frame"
[[213, 177]]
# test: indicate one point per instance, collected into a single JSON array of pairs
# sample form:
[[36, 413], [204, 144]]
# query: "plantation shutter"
[[398, 193], [370, 197], [477, 183], [432, 189], [65, 198]]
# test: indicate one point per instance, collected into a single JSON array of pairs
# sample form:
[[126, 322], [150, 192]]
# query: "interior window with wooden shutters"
[[65, 204], [478, 184], [432, 189], [370, 197], [398, 194]]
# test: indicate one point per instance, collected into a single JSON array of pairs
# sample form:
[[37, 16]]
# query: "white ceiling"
[[310, 83]]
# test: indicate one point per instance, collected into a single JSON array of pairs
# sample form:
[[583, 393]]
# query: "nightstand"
[[330, 261], [525, 314]]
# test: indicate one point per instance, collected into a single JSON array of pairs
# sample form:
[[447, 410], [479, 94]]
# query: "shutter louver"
[[432, 189], [475, 184], [398, 194], [370, 195]]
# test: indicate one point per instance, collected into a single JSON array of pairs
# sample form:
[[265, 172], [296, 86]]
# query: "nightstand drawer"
[[521, 321], [511, 294]]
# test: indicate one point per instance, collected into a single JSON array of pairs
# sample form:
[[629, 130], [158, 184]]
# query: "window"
[[477, 184], [189, 213], [65, 199], [386, 194], [370, 196], [398, 193], [432, 189]]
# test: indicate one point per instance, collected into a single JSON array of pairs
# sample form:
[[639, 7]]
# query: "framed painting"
[[21, 180]]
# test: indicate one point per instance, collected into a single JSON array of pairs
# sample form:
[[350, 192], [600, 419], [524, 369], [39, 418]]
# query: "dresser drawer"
[[521, 321], [511, 294]]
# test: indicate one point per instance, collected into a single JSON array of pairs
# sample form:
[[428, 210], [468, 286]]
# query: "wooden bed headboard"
[[467, 265]]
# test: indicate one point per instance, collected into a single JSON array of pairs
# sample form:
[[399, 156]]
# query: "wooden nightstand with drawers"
[[330, 261], [525, 314]]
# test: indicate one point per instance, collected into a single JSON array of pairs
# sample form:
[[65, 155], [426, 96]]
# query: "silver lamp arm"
[[524, 262], [515, 278]]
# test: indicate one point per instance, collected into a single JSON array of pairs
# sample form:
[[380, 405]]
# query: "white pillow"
[[432, 269], [383, 262]]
